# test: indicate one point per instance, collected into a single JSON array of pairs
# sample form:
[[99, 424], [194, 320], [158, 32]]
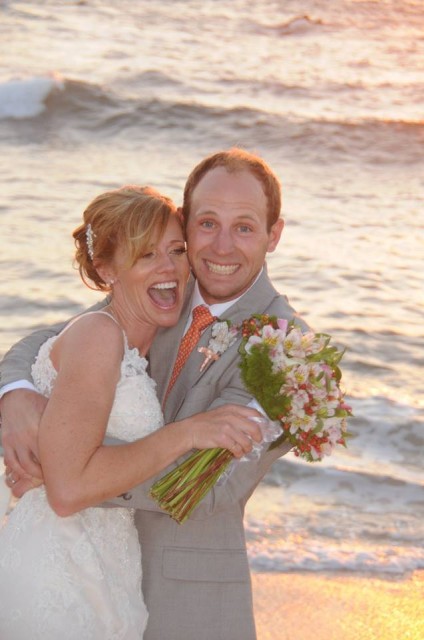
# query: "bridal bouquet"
[[295, 378]]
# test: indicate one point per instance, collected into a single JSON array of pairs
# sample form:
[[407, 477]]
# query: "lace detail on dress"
[[78, 578], [136, 411], [42, 371]]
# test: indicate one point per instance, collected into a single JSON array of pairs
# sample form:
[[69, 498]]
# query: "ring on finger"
[[10, 478]]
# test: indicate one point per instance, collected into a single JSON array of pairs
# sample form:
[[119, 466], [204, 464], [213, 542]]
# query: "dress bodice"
[[136, 411], [79, 577]]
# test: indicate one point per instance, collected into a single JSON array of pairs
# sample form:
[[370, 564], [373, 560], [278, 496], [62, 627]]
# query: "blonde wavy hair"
[[131, 217]]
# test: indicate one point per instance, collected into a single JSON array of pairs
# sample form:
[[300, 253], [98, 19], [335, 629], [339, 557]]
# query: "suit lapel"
[[256, 300], [189, 375], [164, 349]]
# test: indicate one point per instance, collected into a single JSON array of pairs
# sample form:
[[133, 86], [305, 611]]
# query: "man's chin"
[[217, 295]]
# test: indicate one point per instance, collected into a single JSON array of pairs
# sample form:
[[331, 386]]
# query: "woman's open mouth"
[[164, 294]]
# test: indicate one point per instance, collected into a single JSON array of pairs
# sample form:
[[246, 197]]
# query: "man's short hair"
[[235, 160]]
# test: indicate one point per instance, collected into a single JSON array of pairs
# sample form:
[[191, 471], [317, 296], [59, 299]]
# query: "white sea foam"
[[307, 555], [25, 98]]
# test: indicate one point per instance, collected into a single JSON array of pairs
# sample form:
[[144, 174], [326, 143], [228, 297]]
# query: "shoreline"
[[328, 605], [334, 606]]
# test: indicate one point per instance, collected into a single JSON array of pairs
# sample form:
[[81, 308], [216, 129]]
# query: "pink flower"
[[282, 324]]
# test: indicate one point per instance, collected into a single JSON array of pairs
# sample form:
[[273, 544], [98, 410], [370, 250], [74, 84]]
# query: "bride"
[[68, 569]]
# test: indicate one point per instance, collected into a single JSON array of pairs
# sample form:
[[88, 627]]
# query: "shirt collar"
[[219, 308]]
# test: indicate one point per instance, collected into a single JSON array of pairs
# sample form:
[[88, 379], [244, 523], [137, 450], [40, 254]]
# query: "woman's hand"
[[231, 427]]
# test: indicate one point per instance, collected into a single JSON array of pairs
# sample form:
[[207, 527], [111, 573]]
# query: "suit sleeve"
[[241, 482], [236, 489], [16, 364], [218, 391]]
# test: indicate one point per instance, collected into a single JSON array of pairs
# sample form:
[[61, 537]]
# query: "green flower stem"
[[181, 490]]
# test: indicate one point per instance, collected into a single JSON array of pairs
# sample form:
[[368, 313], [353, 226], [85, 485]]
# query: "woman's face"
[[152, 290]]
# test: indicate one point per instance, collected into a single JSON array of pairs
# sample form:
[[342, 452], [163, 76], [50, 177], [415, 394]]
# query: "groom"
[[196, 579]]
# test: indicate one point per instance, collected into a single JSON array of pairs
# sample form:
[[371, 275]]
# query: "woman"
[[79, 576]]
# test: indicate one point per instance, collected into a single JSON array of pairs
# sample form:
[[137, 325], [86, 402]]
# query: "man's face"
[[227, 234]]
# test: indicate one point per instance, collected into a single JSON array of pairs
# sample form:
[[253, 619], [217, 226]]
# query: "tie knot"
[[202, 317]]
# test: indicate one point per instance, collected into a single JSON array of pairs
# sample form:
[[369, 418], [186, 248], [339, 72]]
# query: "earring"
[[111, 282]]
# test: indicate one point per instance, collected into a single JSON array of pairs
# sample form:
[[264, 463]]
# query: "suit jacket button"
[[126, 496]]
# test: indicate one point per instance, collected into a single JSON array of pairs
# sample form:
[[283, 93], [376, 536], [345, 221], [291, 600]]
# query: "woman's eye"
[[147, 256], [179, 251]]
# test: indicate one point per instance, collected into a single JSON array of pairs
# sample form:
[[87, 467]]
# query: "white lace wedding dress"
[[79, 577]]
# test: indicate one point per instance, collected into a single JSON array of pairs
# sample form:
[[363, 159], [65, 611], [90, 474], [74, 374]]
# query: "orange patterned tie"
[[202, 318]]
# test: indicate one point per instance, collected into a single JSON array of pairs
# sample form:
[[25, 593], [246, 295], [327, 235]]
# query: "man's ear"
[[180, 215], [275, 234]]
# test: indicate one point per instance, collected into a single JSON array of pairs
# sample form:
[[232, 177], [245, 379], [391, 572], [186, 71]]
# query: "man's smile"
[[222, 269]]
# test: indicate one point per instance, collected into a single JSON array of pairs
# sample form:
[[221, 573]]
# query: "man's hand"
[[21, 412], [20, 484]]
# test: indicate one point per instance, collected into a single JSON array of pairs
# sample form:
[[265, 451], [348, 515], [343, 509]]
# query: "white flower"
[[299, 420], [293, 344], [274, 339], [223, 336]]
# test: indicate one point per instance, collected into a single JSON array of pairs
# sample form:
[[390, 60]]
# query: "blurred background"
[[95, 94]]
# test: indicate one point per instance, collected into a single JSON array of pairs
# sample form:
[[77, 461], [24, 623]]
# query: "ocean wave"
[[99, 112], [352, 477], [305, 554], [25, 98], [317, 518], [298, 25]]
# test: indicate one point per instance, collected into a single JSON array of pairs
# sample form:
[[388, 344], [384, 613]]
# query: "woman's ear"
[[105, 271]]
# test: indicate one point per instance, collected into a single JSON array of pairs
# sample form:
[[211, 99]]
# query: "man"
[[196, 579]]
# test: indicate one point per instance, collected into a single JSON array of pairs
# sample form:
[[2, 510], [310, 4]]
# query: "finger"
[[27, 463], [253, 430], [21, 487], [12, 462], [246, 412], [237, 450], [10, 480], [243, 441]]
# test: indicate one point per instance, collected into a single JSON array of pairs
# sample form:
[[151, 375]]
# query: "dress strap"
[[90, 313]]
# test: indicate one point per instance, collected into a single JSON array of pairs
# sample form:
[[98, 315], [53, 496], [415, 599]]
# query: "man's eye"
[[207, 224], [244, 228]]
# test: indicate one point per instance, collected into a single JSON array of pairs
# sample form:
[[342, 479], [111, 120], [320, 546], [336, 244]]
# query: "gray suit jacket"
[[196, 579]]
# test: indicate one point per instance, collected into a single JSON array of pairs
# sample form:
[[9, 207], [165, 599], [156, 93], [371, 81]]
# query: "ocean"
[[95, 94]]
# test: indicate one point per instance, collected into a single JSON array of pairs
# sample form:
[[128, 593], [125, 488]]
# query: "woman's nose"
[[166, 263]]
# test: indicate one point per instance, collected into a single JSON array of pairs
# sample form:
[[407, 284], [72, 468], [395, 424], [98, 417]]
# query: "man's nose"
[[223, 241]]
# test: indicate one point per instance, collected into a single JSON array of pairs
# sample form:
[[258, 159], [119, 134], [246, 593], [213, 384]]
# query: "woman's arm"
[[79, 471]]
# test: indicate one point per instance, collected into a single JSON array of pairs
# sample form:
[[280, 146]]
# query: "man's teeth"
[[165, 285], [225, 269]]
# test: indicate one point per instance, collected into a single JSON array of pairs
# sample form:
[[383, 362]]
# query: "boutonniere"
[[224, 334]]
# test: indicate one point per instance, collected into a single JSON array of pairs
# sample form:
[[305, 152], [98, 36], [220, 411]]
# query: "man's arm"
[[237, 488], [16, 364], [21, 409]]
